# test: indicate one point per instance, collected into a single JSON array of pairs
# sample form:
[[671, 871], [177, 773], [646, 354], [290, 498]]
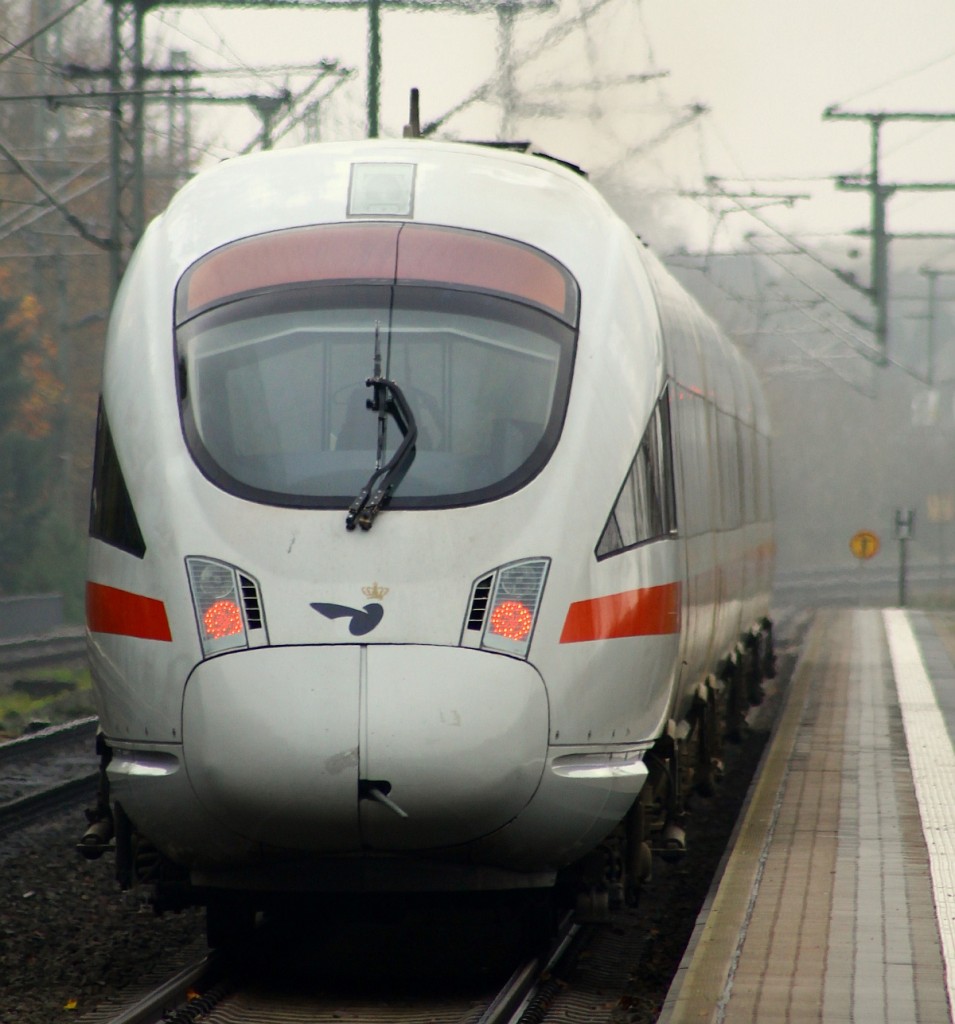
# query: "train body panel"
[[461, 746], [472, 677]]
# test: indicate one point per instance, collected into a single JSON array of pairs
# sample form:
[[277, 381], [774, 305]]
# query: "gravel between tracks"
[[68, 937]]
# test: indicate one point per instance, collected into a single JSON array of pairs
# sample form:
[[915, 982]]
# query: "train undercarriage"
[[688, 758]]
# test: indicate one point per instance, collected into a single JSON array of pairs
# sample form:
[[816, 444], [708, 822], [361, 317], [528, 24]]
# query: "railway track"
[[54, 648], [46, 770], [51, 767], [180, 997], [214, 991]]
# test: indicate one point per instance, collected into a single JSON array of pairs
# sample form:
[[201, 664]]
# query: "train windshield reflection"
[[275, 398]]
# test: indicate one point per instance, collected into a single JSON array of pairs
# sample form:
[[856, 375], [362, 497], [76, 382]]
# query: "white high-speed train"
[[430, 533]]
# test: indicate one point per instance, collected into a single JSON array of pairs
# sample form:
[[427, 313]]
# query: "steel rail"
[[66, 788], [48, 737], [524, 993], [164, 1000], [24, 652], [15, 813], [527, 985]]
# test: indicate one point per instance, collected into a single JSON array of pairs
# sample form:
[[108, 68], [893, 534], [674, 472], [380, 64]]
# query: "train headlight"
[[504, 606], [228, 608]]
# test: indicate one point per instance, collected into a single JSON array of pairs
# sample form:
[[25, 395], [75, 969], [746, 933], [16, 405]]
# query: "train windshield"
[[276, 407]]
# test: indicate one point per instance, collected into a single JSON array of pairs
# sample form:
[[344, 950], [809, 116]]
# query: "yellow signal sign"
[[941, 508], [865, 544]]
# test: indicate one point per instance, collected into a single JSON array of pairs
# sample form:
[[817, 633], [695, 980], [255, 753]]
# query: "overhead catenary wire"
[[706, 129], [900, 77], [717, 214], [224, 47], [292, 120], [16, 48], [522, 57]]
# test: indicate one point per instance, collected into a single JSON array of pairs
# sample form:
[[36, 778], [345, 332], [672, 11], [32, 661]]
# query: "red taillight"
[[229, 611], [512, 620], [506, 603], [222, 619]]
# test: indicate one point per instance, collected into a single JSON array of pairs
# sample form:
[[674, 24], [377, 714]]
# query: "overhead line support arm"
[[880, 193]]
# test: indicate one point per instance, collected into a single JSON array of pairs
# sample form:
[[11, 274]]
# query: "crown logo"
[[375, 592]]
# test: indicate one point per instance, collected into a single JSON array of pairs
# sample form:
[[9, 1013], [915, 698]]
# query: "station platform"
[[836, 899]]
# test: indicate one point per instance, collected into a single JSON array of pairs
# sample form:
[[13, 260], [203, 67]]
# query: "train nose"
[[342, 749]]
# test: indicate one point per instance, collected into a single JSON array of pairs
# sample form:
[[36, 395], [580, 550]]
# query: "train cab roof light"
[[381, 189], [513, 605], [227, 604]]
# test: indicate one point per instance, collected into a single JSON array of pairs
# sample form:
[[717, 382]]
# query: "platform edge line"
[[932, 761]]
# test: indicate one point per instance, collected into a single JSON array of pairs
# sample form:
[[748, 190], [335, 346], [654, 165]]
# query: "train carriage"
[[427, 510]]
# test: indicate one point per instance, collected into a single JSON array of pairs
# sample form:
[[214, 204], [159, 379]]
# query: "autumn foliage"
[[33, 416], [31, 394]]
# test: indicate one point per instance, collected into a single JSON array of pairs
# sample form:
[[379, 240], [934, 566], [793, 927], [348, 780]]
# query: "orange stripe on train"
[[649, 611], [109, 610]]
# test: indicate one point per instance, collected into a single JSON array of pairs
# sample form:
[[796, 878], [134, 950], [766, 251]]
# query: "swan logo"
[[361, 620]]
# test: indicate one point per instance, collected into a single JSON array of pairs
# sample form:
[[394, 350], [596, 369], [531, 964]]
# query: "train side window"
[[112, 517], [765, 497], [691, 416], [728, 440], [749, 473], [645, 508]]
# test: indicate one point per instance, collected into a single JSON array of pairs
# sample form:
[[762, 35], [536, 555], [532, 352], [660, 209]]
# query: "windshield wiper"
[[388, 400]]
